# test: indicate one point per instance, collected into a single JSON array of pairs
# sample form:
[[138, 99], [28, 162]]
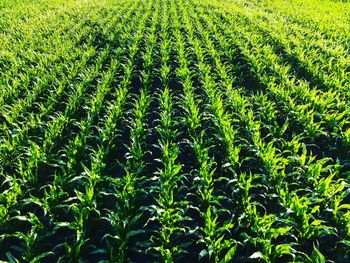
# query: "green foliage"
[[174, 131]]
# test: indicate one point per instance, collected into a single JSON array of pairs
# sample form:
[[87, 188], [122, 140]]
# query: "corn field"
[[174, 131]]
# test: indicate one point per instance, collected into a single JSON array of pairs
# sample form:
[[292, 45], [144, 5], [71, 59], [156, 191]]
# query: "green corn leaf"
[[229, 255]]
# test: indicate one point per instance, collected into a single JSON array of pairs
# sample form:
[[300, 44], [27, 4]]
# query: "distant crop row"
[[174, 131]]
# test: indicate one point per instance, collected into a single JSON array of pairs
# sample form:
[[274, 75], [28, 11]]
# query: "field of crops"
[[174, 131]]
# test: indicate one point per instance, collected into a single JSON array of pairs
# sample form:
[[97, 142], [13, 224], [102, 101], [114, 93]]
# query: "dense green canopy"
[[174, 131]]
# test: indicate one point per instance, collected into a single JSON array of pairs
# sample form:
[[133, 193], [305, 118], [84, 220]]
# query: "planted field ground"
[[174, 131]]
